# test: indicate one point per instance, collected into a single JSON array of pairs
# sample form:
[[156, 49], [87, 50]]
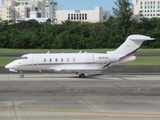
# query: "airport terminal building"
[[96, 15]]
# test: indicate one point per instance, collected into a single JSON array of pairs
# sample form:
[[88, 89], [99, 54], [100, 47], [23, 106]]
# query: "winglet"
[[48, 52]]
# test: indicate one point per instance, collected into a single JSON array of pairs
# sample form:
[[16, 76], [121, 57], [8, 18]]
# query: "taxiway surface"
[[67, 97]]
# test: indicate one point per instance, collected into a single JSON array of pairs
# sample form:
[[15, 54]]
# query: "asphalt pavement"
[[139, 70], [67, 97]]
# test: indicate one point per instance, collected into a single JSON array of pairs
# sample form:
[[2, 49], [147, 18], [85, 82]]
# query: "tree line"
[[77, 35]]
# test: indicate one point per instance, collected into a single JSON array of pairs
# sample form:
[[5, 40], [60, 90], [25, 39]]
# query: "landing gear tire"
[[82, 75], [21, 76]]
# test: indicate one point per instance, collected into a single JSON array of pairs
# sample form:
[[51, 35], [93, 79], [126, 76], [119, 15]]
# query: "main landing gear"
[[82, 75], [21, 74]]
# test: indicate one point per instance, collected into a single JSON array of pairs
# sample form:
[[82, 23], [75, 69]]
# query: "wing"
[[86, 69]]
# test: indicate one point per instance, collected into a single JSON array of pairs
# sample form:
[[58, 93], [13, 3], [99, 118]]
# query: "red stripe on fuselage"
[[128, 55], [41, 64]]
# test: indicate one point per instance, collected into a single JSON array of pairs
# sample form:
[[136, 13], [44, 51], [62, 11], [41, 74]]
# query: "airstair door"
[[35, 62], [93, 57]]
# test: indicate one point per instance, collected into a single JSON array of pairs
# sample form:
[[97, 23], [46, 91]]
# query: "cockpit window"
[[19, 58], [22, 58]]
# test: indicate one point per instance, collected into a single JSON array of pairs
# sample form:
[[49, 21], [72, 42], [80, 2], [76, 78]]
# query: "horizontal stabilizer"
[[140, 37]]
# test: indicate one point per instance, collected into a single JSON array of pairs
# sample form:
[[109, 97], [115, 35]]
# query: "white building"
[[1, 2], [97, 15], [33, 15], [15, 9], [51, 8], [7, 10], [146, 8], [30, 5]]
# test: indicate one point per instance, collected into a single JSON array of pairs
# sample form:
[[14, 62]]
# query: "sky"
[[86, 4]]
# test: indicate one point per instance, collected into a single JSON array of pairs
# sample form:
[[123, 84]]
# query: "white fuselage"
[[62, 61]]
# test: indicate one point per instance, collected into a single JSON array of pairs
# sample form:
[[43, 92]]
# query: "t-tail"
[[128, 49]]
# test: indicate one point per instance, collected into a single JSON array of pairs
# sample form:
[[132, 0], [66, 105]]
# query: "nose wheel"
[[21, 74], [82, 75]]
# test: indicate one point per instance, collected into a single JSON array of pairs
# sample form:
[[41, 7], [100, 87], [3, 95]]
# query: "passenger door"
[[35, 62]]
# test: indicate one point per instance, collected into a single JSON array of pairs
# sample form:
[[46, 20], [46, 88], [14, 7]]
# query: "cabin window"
[[74, 59], [44, 60], [67, 59], [56, 60], [50, 60], [24, 58], [61, 59]]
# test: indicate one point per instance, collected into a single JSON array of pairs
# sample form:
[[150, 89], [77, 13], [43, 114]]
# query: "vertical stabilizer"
[[130, 46]]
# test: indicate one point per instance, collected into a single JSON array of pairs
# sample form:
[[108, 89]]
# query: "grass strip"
[[6, 60], [5, 50], [52, 50], [144, 61]]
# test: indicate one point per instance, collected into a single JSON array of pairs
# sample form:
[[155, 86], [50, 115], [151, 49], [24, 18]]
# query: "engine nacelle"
[[124, 61]]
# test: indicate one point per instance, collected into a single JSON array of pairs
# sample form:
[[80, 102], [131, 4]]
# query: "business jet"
[[80, 63]]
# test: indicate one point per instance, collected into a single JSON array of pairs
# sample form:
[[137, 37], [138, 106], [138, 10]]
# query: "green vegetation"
[[6, 50], [145, 61], [76, 35], [6, 60], [149, 50], [3, 50]]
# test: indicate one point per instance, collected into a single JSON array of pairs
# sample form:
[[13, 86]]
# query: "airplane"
[[81, 63]]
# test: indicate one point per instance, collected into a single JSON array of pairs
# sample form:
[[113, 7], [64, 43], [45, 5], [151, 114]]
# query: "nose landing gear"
[[21, 74], [82, 75]]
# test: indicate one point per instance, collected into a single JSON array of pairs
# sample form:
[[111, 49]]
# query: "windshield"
[[20, 58]]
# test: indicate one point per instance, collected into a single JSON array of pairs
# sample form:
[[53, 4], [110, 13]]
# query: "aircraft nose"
[[7, 66]]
